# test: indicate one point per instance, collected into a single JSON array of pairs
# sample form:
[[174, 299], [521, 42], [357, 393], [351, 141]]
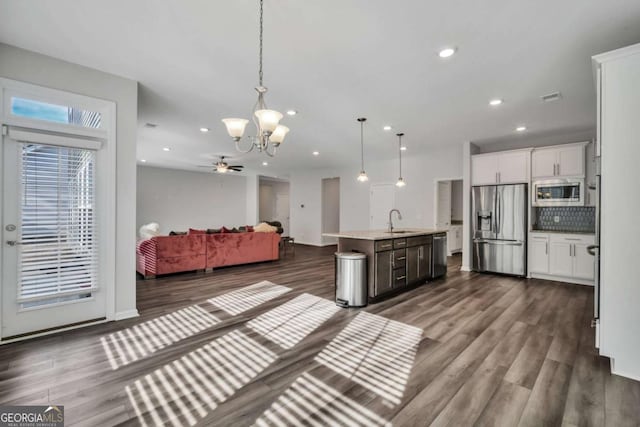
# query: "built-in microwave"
[[558, 192]]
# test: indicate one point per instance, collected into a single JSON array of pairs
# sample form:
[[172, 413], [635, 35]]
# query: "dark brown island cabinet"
[[396, 263]]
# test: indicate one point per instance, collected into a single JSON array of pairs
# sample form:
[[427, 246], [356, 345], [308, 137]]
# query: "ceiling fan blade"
[[236, 166], [233, 168]]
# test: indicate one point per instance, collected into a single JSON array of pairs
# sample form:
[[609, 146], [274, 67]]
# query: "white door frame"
[[106, 167], [435, 195]]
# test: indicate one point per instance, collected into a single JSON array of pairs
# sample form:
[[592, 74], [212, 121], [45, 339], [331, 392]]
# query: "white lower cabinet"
[[454, 239], [539, 253], [561, 257]]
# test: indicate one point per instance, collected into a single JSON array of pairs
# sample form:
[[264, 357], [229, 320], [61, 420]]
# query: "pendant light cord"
[[362, 144], [260, 51], [400, 152]]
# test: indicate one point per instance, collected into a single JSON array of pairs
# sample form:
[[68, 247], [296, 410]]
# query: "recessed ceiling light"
[[143, 160], [166, 149], [204, 129], [521, 128], [387, 127], [447, 52], [265, 164], [495, 102], [291, 112], [316, 153], [403, 148]]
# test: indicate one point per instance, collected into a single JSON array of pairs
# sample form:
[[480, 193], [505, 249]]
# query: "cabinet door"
[[513, 167], [484, 169], [383, 272], [459, 238], [424, 263], [560, 259], [583, 263], [413, 257], [539, 255], [571, 161], [543, 163]]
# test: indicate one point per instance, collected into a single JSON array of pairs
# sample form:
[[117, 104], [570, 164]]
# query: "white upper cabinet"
[[506, 167], [559, 161]]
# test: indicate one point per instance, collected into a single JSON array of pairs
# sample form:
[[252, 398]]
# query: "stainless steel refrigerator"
[[500, 229]]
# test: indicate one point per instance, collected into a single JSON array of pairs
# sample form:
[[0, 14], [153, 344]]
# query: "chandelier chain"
[[362, 143], [260, 51]]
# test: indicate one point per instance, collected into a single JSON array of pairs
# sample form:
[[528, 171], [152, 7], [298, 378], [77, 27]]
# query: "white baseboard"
[[562, 279], [127, 314], [465, 268], [615, 369]]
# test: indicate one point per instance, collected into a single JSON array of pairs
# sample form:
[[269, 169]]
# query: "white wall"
[[456, 200], [179, 200], [31, 67], [330, 208], [415, 201]]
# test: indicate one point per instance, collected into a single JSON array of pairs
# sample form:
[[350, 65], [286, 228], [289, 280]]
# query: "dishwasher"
[[439, 255]]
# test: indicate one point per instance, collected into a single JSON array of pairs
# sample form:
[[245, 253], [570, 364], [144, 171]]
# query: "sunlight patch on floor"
[[241, 300], [374, 352], [311, 402], [185, 390], [290, 323], [142, 340]]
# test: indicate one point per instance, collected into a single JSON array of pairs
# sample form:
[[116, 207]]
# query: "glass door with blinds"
[[51, 251]]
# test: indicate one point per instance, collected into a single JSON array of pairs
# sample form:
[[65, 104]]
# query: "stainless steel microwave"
[[558, 192]]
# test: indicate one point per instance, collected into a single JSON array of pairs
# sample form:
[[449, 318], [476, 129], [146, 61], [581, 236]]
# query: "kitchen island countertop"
[[383, 234]]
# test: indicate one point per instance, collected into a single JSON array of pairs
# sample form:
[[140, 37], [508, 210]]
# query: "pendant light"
[[362, 177], [400, 182], [270, 133]]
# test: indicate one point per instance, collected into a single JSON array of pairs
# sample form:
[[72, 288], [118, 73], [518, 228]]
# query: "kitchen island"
[[398, 260]]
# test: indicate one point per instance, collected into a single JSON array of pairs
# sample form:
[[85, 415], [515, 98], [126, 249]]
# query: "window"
[[59, 251], [32, 109]]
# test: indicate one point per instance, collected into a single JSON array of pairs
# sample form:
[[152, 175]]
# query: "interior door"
[[443, 212], [51, 252], [381, 201]]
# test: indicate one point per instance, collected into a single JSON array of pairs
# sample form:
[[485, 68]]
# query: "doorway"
[[330, 209], [273, 201], [449, 212]]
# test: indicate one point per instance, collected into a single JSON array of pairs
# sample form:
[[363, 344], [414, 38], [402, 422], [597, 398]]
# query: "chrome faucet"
[[391, 219]]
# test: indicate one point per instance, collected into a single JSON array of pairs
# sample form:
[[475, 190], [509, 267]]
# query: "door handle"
[[13, 242]]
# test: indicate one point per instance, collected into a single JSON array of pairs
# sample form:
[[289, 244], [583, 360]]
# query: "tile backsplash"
[[570, 218]]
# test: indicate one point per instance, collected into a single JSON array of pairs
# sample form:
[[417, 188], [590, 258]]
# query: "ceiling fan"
[[221, 166]]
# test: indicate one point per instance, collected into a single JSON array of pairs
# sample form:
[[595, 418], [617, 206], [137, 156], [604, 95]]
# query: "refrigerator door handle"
[[498, 214], [499, 242]]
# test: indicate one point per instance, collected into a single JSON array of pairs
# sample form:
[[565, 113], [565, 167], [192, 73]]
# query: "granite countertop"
[[383, 234], [589, 233]]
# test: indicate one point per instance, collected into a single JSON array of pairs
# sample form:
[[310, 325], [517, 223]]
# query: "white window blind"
[[59, 247]]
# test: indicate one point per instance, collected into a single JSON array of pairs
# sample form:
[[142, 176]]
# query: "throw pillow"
[[150, 230], [263, 227], [195, 231], [213, 230], [177, 233], [224, 229]]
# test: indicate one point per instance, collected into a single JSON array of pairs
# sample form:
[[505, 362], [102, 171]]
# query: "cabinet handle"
[[558, 168], [401, 258], [400, 278], [496, 177], [546, 248]]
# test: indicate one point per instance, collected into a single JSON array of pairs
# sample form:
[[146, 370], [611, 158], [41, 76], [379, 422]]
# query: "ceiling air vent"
[[551, 97], [150, 125]]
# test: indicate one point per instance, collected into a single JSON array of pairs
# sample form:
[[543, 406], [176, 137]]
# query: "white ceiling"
[[333, 61]]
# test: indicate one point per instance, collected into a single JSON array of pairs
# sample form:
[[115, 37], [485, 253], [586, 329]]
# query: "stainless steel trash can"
[[351, 279]]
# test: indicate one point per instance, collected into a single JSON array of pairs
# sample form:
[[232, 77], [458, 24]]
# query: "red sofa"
[[174, 254]]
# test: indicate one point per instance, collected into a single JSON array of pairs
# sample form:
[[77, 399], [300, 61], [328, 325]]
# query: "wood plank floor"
[[207, 349]]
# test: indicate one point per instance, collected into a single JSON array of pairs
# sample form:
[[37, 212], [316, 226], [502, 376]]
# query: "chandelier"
[[270, 133]]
